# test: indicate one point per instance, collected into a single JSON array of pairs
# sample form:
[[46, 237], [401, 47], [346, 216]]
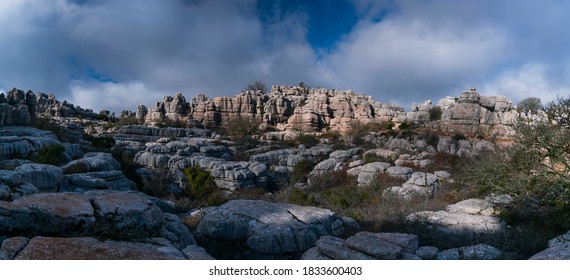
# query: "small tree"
[[531, 104], [257, 85]]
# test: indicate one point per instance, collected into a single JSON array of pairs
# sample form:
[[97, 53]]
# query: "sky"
[[116, 55]]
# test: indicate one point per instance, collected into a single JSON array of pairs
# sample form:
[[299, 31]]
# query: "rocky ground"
[[124, 200]]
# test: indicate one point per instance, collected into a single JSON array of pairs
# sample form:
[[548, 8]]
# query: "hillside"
[[293, 173]]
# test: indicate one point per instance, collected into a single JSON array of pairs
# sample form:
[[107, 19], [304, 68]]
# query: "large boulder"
[[88, 248], [109, 214], [103, 180], [462, 224], [92, 162], [43, 176], [365, 246], [258, 229]]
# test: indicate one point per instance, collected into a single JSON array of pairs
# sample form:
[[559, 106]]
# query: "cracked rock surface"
[[264, 230]]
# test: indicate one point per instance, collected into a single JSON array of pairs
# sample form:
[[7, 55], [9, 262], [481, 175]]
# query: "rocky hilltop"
[[316, 109], [353, 179]]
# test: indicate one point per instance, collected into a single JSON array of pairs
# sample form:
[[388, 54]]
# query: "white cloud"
[[112, 96], [530, 80], [409, 59]]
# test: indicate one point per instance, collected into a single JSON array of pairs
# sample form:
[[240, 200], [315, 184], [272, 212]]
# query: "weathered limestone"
[[259, 229], [365, 246]]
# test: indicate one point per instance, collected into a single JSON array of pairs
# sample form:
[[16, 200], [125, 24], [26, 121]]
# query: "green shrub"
[[307, 139], [345, 196], [200, 182], [300, 197], [202, 188], [300, 171], [102, 142], [54, 155], [435, 113], [458, 136]]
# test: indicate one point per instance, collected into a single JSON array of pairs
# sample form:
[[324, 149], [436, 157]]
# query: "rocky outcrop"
[[291, 107], [365, 246], [302, 109], [110, 214], [558, 249], [461, 224], [254, 229], [88, 248], [93, 162], [22, 108], [22, 141], [142, 133], [43, 176]]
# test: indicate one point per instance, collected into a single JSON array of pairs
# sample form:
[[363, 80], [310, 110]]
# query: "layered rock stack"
[[314, 109], [22, 108]]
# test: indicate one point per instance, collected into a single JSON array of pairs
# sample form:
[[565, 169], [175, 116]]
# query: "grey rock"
[[10, 178], [93, 162], [407, 242], [11, 164], [344, 154], [314, 254], [400, 172], [376, 247], [193, 252], [558, 249], [369, 171], [335, 248], [472, 206], [427, 252], [560, 252], [87, 248], [458, 226], [126, 212], [104, 180], [268, 229], [12, 246], [4, 192], [42, 176], [406, 192], [176, 232], [475, 252]]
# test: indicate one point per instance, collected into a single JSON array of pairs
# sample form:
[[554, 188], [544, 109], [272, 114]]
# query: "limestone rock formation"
[[462, 223], [113, 214], [259, 229], [365, 246]]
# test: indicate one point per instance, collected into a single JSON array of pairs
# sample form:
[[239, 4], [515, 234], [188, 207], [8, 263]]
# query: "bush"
[[435, 113], [300, 197], [102, 142], [307, 139], [300, 171], [54, 155], [202, 187], [458, 136]]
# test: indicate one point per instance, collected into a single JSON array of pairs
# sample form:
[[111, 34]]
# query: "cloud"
[[112, 96], [401, 58], [398, 51], [530, 80]]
